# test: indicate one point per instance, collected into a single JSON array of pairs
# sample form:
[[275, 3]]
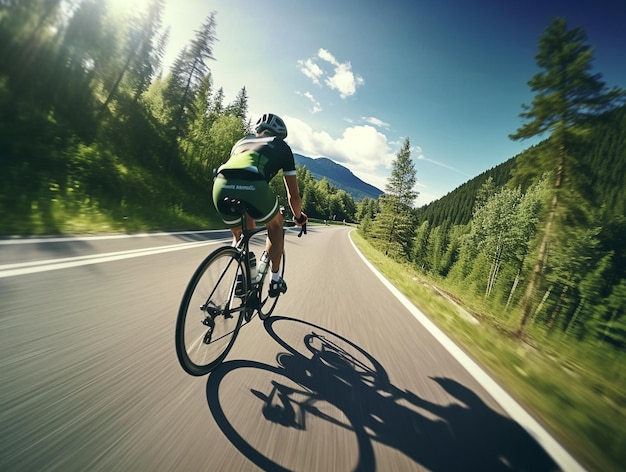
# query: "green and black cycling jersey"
[[264, 155]]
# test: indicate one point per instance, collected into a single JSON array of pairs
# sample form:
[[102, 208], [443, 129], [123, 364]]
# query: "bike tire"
[[210, 294], [267, 305]]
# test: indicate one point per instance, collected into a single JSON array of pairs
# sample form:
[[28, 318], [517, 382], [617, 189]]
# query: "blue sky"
[[354, 78]]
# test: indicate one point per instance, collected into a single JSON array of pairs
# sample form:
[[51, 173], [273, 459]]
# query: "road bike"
[[225, 290]]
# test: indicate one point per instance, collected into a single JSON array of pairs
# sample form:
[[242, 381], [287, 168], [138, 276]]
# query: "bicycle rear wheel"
[[210, 312], [267, 304]]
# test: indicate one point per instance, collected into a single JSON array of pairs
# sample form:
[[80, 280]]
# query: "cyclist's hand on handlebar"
[[302, 220]]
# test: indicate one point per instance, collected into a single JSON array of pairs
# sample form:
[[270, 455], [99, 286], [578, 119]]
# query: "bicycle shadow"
[[330, 379]]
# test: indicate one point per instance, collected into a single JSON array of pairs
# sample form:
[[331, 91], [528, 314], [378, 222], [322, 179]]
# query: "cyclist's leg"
[[275, 244], [275, 240], [267, 207]]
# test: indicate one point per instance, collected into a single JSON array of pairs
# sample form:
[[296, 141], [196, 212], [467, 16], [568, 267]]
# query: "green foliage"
[[87, 129], [435, 258], [239, 107], [456, 207], [368, 207], [603, 157], [392, 228], [420, 245], [394, 225], [566, 89], [401, 182], [503, 226], [577, 176], [320, 200], [566, 95], [591, 251], [278, 187], [610, 321]]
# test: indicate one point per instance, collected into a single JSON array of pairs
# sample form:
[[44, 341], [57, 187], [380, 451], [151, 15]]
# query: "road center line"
[[10, 241]]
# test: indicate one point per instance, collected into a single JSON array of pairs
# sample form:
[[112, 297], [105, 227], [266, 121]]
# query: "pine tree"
[[239, 107], [142, 52], [567, 93], [395, 225], [197, 146], [188, 71], [401, 182]]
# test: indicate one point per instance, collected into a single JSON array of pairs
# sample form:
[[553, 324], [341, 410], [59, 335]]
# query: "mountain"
[[338, 176]]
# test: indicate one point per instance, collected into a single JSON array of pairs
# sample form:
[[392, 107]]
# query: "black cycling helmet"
[[273, 123]]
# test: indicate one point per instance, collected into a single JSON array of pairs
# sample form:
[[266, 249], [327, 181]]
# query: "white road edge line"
[[15, 240], [12, 270], [563, 458]]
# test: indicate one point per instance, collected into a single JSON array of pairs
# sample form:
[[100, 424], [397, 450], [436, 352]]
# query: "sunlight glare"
[[126, 7]]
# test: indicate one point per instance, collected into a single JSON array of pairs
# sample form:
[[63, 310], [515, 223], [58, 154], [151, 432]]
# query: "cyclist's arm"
[[293, 194]]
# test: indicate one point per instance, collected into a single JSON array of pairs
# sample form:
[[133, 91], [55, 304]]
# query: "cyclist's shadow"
[[333, 370]]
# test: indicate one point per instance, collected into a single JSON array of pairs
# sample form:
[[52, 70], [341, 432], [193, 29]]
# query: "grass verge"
[[90, 217]]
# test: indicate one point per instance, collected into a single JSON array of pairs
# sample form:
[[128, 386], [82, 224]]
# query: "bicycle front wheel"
[[211, 312]]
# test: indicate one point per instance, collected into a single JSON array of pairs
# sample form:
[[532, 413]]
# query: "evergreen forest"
[[485, 237], [96, 136]]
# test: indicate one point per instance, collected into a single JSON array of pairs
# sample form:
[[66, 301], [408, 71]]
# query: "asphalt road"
[[342, 377]]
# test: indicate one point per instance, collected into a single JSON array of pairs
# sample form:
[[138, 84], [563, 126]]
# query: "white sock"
[[275, 276]]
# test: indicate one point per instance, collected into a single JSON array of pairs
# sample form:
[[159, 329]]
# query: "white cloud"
[[316, 105], [311, 70], [363, 149], [327, 56], [343, 79], [359, 147], [375, 121]]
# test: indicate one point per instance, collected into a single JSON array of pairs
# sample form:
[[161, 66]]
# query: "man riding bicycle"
[[254, 161]]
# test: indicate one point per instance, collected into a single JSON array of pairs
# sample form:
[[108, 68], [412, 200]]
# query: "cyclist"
[[254, 161]]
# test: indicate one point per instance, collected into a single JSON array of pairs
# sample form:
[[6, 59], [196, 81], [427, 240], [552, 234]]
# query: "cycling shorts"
[[255, 192]]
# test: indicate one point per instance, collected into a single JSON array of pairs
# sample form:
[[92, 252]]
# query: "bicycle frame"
[[198, 352], [243, 246]]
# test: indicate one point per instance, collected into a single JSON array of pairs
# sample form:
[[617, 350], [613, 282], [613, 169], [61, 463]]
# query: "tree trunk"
[[558, 306], [179, 119], [495, 270], [527, 301], [393, 224], [515, 282], [543, 300], [117, 83], [576, 313]]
